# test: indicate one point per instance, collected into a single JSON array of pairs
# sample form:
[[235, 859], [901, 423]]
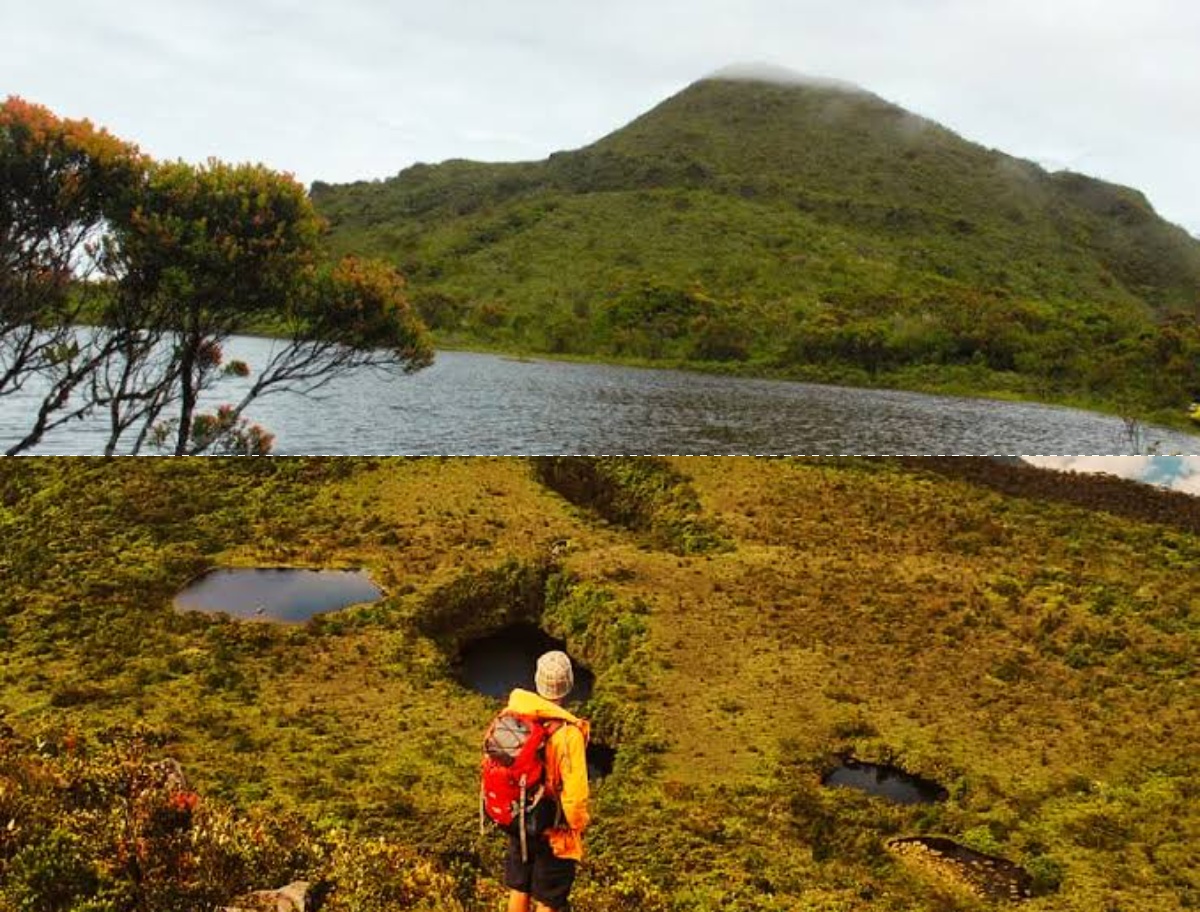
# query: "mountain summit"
[[773, 74], [802, 226]]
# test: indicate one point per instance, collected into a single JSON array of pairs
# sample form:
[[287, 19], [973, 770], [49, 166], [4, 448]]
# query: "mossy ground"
[[1036, 657]]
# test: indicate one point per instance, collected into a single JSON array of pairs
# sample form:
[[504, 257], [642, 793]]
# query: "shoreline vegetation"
[[167, 261], [1023, 638], [926, 380], [965, 382], [802, 231]]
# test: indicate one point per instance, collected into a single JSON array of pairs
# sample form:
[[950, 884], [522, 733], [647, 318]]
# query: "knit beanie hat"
[[554, 677]]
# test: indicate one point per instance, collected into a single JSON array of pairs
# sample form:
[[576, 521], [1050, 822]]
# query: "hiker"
[[540, 868]]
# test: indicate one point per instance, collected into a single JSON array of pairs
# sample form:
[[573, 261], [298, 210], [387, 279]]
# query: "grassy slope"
[[796, 210], [1036, 657], [814, 155]]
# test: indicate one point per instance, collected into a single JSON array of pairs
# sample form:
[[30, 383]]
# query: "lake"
[[475, 404]]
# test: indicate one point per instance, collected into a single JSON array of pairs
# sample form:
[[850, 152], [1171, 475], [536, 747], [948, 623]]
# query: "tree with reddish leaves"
[[215, 250], [60, 180], [190, 256]]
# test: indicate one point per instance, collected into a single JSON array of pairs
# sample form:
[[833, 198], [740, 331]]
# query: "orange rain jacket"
[[566, 770]]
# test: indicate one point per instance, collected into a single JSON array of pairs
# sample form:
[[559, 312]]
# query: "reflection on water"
[[470, 404], [288, 595], [885, 781], [1179, 473]]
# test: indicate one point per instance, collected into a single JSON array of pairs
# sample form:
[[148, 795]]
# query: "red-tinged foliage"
[[184, 802], [231, 240], [221, 249], [362, 304], [74, 163], [110, 823], [192, 255], [116, 827], [60, 181], [225, 431]]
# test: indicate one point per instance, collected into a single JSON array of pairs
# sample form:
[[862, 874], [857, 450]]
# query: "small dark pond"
[[887, 782], [993, 877], [495, 664], [600, 761], [282, 594]]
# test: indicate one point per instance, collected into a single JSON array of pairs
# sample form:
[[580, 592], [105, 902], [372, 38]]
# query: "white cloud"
[[1109, 88]]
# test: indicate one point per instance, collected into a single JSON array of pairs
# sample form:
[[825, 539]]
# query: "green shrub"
[[51, 874], [1047, 874]]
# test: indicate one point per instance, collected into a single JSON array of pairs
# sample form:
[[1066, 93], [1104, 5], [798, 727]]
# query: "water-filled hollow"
[[281, 594], [888, 782], [600, 760], [996, 878], [496, 664]]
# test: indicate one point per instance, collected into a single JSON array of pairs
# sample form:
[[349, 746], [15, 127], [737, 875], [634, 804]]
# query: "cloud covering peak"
[[780, 75]]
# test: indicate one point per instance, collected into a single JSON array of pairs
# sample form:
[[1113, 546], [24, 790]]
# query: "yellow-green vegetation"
[[1034, 653], [798, 230]]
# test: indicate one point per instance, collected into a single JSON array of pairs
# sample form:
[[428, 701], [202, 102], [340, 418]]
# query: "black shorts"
[[546, 877]]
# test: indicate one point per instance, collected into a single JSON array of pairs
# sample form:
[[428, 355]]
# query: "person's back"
[[545, 872]]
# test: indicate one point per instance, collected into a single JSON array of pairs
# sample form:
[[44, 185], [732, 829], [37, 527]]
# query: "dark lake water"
[[495, 664], [600, 760], [885, 782], [285, 595], [471, 404]]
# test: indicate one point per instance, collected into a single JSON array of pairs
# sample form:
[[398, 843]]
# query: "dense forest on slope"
[[807, 230], [1025, 640]]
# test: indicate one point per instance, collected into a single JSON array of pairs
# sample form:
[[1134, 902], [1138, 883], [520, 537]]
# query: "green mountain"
[[804, 228]]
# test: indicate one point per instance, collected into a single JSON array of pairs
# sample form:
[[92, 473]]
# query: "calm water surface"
[[886, 782], [495, 664], [283, 594], [472, 404]]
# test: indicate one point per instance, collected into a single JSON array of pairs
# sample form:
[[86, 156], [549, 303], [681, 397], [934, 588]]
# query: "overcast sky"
[[358, 89]]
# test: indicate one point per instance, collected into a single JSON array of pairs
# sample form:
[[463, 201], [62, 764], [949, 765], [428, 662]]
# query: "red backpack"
[[513, 776]]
